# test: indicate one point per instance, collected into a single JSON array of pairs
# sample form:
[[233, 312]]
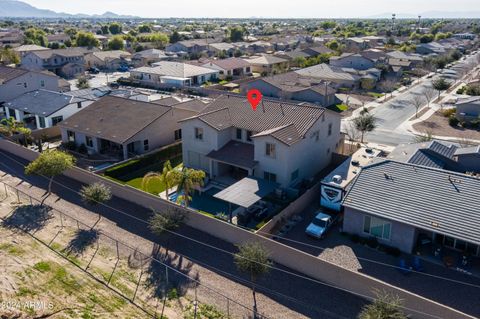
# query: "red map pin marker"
[[254, 96]]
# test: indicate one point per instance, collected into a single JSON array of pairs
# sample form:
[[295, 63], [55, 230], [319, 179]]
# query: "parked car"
[[123, 68], [93, 70], [320, 224]]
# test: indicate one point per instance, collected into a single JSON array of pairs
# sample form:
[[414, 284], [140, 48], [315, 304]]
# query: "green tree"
[[144, 28], [116, 43], [236, 34], [86, 39], [82, 83], [115, 28], [166, 220], [8, 56], [166, 177], [253, 259], [440, 85], [175, 37], [104, 29], [35, 36], [187, 179], [50, 164], [364, 123], [10, 126], [333, 45], [385, 306], [94, 195]]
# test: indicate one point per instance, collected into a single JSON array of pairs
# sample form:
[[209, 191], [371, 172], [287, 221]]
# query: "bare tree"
[[429, 94], [418, 102], [388, 86]]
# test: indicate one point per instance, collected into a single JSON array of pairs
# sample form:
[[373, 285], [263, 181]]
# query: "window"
[[25, 85], [323, 117], [71, 136], [330, 125], [249, 136], [145, 145], [199, 133], [377, 227], [79, 105], [88, 141], [56, 120], [239, 133], [270, 149], [42, 83], [270, 176], [178, 134], [41, 121], [294, 175]]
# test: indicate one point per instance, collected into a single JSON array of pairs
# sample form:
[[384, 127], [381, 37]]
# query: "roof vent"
[[355, 163], [387, 176], [337, 179]]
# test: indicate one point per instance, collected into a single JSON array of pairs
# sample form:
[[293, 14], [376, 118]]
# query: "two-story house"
[[279, 141], [64, 62]]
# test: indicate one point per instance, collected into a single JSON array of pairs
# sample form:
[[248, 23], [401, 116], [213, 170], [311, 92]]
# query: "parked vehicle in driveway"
[[320, 224], [93, 70], [123, 68]]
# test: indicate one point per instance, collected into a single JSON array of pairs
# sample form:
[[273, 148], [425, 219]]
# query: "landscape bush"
[[453, 121], [449, 112]]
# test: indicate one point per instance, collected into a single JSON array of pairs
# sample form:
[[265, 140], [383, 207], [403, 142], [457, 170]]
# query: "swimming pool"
[[206, 202]]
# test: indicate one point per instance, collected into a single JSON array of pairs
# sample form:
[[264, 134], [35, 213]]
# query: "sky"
[[257, 8]]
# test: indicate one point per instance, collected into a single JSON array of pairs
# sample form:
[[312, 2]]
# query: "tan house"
[[268, 64], [123, 128], [107, 60]]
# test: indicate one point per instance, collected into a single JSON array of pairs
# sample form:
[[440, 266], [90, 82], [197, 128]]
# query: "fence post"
[[195, 304], [228, 307]]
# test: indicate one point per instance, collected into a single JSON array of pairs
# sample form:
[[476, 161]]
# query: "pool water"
[[206, 202]]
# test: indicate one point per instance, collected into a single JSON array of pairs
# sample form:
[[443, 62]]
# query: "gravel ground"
[[280, 295]]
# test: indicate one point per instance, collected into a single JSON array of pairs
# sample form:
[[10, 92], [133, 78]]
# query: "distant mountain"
[[19, 9], [430, 14]]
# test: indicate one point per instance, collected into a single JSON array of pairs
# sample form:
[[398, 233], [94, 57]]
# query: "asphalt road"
[[303, 297], [391, 114]]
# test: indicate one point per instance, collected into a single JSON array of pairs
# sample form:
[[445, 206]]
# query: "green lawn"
[[154, 186], [375, 94], [338, 108]]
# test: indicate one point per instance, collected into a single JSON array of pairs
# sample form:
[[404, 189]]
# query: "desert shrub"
[[448, 112], [453, 121]]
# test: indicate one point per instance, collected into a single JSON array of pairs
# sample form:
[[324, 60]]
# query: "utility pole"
[[393, 21]]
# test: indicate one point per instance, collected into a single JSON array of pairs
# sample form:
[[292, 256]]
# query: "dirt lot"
[[76, 271], [438, 125]]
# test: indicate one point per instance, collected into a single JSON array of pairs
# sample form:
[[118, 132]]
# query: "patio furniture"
[[417, 264], [403, 268], [448, 261]]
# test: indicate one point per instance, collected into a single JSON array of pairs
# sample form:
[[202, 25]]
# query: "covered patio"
[[224, 165], [247, 193]]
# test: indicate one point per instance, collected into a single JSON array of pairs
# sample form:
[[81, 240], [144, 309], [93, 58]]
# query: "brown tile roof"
[[115, 119], [228, 64], [244, 154], [287, 122], [9, 73]]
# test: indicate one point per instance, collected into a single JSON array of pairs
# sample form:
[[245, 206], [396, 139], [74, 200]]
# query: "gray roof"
[[247, 191], [176, 69], [432, 154], [42, 102], [115, 119], [468, 151], [327, 72], [269, 117], [228, 64], [428, 198], [8, 73], [294, 82]]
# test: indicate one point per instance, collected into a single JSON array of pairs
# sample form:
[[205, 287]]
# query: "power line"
[[233, 254]]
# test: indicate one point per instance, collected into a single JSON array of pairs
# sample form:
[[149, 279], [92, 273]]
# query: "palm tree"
[[187, 179], [166, 177], [10, 126], [253, 259]]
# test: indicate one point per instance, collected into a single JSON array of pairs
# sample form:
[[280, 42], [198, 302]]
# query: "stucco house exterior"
[[67, 63], [229, 68], [173, 74], [407, 206], [280, 142], [123, 128], [43, 109], [268, 64], [17, 81], [468, 109], [293, 86], [107, 60], [351, 60]]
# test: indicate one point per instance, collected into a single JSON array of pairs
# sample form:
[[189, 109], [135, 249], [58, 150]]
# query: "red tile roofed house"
[[230, 68], [124, 128], [281, 142]]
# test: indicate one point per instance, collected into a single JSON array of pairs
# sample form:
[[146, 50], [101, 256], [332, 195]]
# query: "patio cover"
[[246, 191], [235, 153]]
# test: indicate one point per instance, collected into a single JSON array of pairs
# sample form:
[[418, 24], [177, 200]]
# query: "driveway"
[[100, 79], [438, 283]]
